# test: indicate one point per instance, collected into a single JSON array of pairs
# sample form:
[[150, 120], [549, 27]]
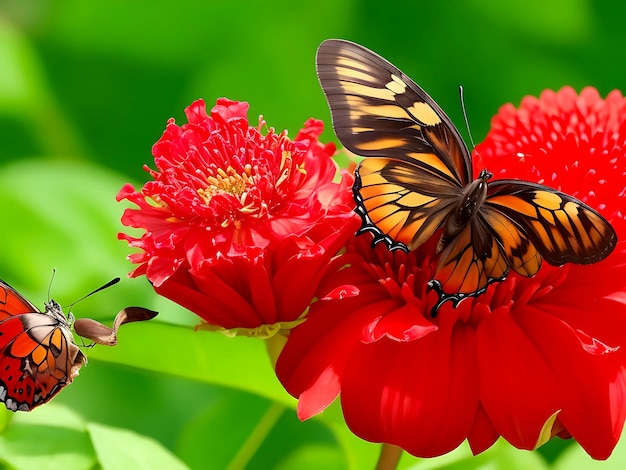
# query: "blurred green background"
[[86, 88]]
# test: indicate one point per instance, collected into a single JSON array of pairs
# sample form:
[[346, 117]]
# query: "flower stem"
[[389, 457], [256, 438]]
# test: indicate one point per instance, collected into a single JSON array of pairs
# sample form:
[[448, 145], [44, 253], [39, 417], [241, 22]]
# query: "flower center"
[[226, 182]]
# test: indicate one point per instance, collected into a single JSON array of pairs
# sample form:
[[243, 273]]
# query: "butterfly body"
[[38, 356], [472, 198], [416, 180]]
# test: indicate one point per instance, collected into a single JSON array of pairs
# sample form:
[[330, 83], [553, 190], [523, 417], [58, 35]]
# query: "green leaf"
[[119, 449], [261, 434], [241, 363], [50, 437]]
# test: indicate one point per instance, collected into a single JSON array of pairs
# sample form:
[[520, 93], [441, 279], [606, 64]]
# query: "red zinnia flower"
[[529, 359], [240, 225]]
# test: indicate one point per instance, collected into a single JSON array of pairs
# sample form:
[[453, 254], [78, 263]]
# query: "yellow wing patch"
[[396, 85], [424, 114], [384, 143]]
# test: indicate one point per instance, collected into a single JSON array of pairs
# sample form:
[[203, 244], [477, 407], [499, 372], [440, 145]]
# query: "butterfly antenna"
[[54, 271], [105, 286], [467, 126]]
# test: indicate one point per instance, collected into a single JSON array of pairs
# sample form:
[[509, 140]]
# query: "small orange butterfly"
[[38, 356], [417, 181]]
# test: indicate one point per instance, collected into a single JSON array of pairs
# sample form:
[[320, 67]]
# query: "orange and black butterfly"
[[38, 356], [417, 180]]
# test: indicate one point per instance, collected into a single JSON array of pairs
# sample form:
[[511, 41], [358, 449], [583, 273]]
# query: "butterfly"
[[417, 181], [38, 356]]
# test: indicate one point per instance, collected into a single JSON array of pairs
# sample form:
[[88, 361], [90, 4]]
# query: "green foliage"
[[86, 89], [117, 448]]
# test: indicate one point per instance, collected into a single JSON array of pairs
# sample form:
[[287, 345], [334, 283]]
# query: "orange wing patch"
[[520, 254], [470, 262]]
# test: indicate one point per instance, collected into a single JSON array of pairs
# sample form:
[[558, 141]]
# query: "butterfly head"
[[485, 175], [54, 309]]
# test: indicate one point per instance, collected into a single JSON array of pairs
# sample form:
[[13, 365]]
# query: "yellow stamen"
[[226, 182]]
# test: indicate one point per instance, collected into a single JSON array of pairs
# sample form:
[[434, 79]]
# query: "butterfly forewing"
[[12, 302], [378, 111]]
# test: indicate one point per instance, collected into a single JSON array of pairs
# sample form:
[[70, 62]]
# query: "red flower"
[[529, 359], [239, 224]]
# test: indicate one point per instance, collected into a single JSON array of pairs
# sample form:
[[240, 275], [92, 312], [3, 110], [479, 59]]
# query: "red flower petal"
[[439, 370], [533, 363]]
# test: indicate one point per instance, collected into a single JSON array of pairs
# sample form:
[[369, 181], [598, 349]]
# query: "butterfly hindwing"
[[516, 247], [471, 261], [36, 363], [562, 228]]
